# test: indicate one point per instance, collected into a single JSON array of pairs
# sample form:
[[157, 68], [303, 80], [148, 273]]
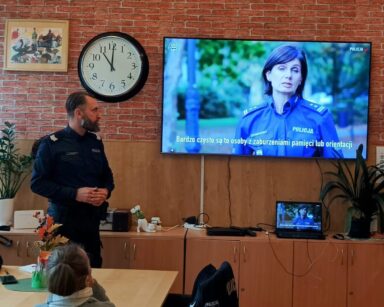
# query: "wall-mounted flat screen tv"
[[299, 99]]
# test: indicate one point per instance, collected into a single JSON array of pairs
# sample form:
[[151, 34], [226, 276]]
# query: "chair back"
[[215, 287]]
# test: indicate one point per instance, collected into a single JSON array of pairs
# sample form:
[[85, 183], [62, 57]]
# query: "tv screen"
[[298, 215], [299, 99]]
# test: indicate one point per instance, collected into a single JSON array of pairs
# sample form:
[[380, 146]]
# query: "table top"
[[124, 287]]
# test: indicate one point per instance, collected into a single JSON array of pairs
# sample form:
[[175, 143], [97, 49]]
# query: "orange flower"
[[41, 232], [49, 221], [47, 231]]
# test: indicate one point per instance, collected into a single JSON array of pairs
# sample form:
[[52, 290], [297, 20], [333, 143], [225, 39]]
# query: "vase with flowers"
[[142, 222], [49, 239]]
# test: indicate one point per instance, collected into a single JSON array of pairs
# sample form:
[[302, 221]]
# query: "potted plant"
[[362, 188], [14, 168]]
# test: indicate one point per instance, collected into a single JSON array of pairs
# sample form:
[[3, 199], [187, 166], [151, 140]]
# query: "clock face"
[[113, 66]]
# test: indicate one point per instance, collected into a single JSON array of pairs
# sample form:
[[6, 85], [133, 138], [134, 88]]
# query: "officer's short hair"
[[281, 55], [75, 100]]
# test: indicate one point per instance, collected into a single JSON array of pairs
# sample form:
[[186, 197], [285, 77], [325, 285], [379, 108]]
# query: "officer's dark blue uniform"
[[303, 130], [67, 161]]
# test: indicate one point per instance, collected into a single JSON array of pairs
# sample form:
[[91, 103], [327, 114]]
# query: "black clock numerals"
[[112, 85], [104, 48]]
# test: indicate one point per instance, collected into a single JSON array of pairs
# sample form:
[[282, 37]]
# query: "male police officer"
[[72, 171]]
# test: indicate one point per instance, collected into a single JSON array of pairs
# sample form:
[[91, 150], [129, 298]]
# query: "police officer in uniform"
[[286, 124], [72, 171], [302, 218]]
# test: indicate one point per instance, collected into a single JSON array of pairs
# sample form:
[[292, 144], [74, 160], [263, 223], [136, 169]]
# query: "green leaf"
[[14, 167], [358, 185]]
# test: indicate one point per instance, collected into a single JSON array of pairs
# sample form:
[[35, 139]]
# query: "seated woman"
[[70, 282]]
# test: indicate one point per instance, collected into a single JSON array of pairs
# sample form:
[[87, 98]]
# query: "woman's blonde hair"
[[67, 270]]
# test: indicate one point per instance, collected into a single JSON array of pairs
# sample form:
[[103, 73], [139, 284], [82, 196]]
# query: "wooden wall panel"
[[245, 189], [165, 186]]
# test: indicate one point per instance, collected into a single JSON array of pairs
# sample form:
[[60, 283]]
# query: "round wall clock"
[[113, 66]]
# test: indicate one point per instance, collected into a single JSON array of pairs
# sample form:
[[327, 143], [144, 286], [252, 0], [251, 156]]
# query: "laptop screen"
[[299, 216]]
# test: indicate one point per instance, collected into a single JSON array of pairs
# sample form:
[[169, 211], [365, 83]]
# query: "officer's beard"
[[87, 124]]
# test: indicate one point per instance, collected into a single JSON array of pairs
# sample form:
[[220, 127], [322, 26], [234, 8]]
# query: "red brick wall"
[[34, 100]]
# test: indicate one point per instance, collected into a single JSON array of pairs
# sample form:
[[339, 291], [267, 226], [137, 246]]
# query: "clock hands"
[[113, 53], [110, 62]]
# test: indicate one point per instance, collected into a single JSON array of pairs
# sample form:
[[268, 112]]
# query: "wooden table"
[[134, 288]]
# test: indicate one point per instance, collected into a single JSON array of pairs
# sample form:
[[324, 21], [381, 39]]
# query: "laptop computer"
[[299, 219]]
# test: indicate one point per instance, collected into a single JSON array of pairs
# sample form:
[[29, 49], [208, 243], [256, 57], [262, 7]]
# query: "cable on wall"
[[229, 190], [202, 178]]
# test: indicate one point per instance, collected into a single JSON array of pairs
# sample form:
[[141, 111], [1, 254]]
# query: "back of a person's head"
[[67, 270]]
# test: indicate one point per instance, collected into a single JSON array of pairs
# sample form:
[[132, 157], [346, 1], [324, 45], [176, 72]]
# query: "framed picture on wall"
[[36, 45]]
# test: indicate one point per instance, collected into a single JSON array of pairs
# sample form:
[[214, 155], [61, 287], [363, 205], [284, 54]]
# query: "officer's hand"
[[102, 193], [99, 196], [90, 195]]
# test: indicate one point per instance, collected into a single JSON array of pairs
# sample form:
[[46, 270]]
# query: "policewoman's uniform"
[[298, 132], [67, 161]]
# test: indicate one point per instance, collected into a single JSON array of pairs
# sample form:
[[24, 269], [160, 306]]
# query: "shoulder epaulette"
[[54, 137], [254, 108], [318, 108]]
